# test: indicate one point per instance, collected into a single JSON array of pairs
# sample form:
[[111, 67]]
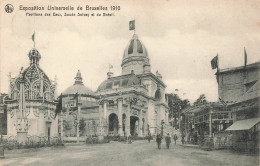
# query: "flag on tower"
[[110, 66], [245, 56], [214, 62], [132, 25]]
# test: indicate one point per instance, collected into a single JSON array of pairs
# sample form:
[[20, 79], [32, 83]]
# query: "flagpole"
[[34, 40]]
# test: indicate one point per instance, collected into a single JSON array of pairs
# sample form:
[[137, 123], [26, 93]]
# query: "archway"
[[133, 125], [113, 124]]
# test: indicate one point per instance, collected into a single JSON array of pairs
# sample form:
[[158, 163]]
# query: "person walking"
[[149, 138], [168, 141], [175, 138], [159, 141]]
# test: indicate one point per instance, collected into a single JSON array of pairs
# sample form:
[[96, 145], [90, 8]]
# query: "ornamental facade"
[[31, 106], [133, 103]]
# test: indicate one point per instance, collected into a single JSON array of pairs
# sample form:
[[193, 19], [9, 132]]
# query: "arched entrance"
[[134, 125], [113, 124]]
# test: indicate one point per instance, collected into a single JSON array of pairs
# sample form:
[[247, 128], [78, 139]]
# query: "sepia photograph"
[[129, 83]]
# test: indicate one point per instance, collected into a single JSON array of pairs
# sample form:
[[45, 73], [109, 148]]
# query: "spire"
[[78, 79]]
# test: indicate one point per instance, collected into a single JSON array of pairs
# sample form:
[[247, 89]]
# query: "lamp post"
[[2, 154]]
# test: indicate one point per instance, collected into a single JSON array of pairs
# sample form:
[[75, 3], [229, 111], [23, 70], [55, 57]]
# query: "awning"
[[243, 124]]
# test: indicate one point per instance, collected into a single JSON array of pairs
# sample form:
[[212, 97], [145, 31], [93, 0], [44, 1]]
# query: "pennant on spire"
[[245, 56], [132, 25], [214, 62], [33, 36]]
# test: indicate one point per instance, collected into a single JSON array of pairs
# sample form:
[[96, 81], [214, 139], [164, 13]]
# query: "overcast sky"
[[181, 38]]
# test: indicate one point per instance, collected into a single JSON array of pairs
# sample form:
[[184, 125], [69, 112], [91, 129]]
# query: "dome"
[[36, 83], [135, 57], [119, 82], [78, 87], [135, 48]]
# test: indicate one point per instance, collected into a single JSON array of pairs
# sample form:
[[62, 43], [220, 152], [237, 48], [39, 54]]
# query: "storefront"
[[245, 135]]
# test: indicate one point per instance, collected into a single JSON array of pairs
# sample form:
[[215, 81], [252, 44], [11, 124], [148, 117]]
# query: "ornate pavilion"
[[31, 106], [133, 103]]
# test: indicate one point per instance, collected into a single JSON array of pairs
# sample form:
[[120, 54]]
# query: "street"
[[117, 153]]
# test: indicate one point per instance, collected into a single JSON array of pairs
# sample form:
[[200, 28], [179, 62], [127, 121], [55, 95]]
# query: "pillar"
[[41, 129], [8, 121], [210, 123], [105, 116], [78, 118], [140, 127], [119, 106], [100, 114], [127, 125]]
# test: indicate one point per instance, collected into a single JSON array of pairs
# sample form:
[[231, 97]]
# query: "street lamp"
[[2, 154]]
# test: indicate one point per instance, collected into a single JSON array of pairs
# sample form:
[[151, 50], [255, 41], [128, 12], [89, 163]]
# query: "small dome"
[[78, 87], [119, 82], [135, 57], [135, 48], [34, 56]]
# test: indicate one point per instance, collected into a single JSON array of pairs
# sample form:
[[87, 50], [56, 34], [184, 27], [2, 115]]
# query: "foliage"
[[82, 124], [66, 125], [201, 100], [176, 104]]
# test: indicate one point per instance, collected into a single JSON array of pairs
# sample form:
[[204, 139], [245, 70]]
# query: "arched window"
[[158, 95]]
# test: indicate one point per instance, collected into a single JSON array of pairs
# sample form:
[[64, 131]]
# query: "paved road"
[[138, 153]]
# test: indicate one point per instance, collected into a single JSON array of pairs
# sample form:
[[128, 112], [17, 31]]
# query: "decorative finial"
[[78, 79]]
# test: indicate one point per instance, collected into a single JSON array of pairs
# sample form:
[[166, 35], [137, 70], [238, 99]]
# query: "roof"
[[201, 107], [119, 82], [243, 124], [234, 69], [78, 87], [135, 48]]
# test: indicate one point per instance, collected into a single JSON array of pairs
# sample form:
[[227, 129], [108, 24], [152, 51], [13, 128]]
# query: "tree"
[[201, 100], [82, 125], [176, 104]]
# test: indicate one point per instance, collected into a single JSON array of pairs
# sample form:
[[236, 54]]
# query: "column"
[[41, 129], [210, 123], [8, 121], [127, 125], [105, 116], [119, 106], [78, 117], [100, 126], [140, 127]]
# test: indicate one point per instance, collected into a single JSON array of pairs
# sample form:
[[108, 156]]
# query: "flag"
[[110, 66], [214, 62], [58, 106], [132, 25], [33, 36], [245, 56]]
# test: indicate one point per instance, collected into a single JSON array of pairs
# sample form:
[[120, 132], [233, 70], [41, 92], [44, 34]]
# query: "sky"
[[181, 36]]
